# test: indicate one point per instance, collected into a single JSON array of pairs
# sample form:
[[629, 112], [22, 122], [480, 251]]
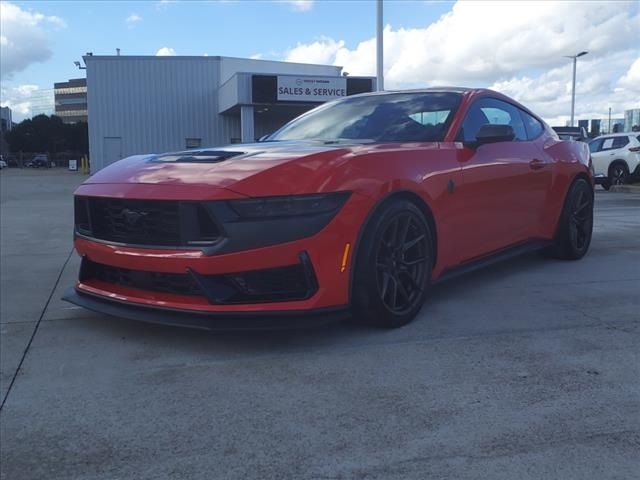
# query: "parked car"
[[3, 164], [40, 160], [616, 158], [352, 209], [578, 134]]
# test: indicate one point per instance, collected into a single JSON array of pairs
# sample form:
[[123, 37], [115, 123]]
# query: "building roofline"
[[199, 57]]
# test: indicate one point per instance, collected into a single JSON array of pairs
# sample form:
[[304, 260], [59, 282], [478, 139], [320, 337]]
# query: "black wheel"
[[576, 223], [618, 174], [393, 266]]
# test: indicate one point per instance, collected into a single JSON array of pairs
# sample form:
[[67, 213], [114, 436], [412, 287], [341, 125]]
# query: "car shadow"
[[221, 345]]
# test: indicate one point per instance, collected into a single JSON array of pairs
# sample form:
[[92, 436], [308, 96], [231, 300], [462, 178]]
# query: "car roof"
[[420, 90], [618, 134]]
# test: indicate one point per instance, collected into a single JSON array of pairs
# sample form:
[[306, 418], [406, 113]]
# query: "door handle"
[[536, 164]]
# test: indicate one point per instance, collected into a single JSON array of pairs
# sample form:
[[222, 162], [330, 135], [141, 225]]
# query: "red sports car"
[[352, 209]]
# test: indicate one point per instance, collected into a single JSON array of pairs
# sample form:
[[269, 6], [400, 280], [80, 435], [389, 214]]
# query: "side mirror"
[[494, 133], [263, 138]]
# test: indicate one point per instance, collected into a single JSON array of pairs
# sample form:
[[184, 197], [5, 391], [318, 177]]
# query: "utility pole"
[[379, 48], [573, 88], [609, 119]]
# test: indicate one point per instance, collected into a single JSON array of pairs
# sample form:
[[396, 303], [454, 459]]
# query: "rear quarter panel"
[[570, 160]]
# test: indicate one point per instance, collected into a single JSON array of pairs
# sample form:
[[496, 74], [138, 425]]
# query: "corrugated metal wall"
[[152, 105]]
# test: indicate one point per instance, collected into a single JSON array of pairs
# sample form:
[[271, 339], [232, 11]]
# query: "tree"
[[48, 134]]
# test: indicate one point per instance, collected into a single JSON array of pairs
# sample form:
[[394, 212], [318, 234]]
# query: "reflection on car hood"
[[223, 166]]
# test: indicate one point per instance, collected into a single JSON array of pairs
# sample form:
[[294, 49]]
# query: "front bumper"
[[220, 322], [324, 252]]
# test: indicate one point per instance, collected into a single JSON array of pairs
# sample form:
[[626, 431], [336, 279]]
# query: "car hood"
[[296, 164]]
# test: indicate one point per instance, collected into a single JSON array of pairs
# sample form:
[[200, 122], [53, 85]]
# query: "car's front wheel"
[[393, 266]]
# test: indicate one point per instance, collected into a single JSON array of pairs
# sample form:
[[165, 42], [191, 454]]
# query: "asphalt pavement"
[[529, 369]]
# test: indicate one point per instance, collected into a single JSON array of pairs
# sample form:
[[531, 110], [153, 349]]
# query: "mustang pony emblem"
[[133, 218]]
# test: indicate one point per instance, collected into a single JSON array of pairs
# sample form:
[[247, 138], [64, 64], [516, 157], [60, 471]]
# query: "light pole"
[[379, 48], [573, 88]]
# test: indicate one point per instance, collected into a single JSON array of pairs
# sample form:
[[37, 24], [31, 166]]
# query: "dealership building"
[[152, 104]]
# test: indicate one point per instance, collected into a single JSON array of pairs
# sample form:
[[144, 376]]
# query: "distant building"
[[71, 100], [5, 119], [5, 125], [42, 102], [601, 126], [632, 119]]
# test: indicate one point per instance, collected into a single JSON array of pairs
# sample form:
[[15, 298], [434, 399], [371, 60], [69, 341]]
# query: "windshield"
[[394, 117]]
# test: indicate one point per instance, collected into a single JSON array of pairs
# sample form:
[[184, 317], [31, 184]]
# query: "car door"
[[603, 156], [504, 184], [597, 157]]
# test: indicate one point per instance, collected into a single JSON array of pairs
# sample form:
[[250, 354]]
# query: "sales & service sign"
[[311, 89]]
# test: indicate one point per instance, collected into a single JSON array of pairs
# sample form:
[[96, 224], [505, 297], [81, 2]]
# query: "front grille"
[[135, 221], [145, 222], [287, 283]]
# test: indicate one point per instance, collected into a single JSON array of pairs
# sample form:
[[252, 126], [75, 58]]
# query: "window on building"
[[193, 143]]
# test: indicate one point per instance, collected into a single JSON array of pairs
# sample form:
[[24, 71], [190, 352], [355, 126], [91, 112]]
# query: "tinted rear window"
[[533, 126]]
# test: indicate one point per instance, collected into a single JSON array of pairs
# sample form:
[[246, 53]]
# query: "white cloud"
[[323, 50], [163, 4], [166, 52], [256, 56], [514, 46], [132, 19], [300, 5], [23, 38], [631, 80], [18, 99]]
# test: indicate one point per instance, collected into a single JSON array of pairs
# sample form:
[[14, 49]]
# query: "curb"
[[625, 188]]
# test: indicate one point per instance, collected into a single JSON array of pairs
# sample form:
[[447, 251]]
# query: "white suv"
[[616, 158]]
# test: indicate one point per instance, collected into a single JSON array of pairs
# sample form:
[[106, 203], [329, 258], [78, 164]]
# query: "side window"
[[532, 125], [491, 111], [619, 142], [607, 144], [594, 145]]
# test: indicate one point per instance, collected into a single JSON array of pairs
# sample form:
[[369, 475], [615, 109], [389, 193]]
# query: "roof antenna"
[[117, 51]]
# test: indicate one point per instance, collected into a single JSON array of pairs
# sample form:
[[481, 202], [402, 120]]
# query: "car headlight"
[[289, 206]]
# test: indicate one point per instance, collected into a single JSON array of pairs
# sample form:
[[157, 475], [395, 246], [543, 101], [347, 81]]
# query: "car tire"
[[393, 266], [575, 227], [618, 174]]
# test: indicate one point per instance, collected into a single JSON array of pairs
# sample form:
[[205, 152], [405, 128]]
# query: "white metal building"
[[151, 104]]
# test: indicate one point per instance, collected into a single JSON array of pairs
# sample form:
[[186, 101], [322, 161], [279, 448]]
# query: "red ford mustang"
[[352, 209]]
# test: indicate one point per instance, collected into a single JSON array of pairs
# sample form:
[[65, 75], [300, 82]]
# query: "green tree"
[[48, 134]]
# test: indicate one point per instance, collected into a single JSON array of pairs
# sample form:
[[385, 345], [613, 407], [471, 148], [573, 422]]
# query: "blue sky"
[[515, 47], [232, 28]]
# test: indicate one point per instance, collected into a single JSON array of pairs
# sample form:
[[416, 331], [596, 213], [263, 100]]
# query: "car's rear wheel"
[[576, 223], [393, 266]]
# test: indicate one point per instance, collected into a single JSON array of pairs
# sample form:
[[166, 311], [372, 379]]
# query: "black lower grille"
[[145, 222], [292, 282], [176, 283]]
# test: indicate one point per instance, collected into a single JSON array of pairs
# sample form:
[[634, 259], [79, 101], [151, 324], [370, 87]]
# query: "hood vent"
[[206, 156]]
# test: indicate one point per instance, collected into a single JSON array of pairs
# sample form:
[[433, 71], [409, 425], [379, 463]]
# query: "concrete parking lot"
[[526, 370]]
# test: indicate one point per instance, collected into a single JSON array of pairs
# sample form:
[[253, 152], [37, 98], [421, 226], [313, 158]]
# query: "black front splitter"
[[219, 322]]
